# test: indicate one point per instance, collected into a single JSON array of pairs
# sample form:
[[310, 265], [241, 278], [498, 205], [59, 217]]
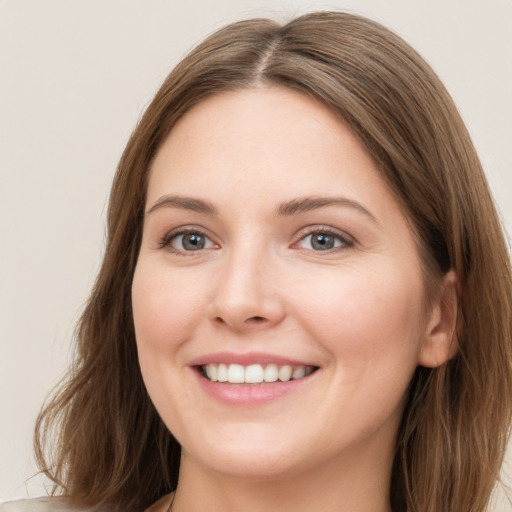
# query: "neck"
[[345, 485]]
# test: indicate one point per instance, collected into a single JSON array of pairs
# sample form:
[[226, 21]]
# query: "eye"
[[187, 241], [323, 240]]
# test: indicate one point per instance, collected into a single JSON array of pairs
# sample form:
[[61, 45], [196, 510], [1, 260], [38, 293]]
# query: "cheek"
[[165, 309], [165, 313], [366, 315]]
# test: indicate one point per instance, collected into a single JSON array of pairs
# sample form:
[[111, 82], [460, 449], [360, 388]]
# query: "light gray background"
[[74, 78]]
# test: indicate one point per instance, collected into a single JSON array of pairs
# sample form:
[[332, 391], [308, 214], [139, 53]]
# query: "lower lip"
[[250, 394]]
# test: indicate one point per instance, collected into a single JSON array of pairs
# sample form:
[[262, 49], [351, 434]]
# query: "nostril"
[[256, 319]]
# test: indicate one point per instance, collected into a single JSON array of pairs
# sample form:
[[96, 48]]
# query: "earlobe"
[[440, 339]]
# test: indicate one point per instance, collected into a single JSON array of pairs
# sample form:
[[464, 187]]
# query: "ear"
[[440, 338]]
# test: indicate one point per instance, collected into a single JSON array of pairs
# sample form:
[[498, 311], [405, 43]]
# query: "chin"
[[249, 464], [255, 455]]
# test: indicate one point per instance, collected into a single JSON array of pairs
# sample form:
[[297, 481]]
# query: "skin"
[[357, 311]]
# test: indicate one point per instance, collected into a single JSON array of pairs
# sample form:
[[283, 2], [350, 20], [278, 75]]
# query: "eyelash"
[[346, 241]]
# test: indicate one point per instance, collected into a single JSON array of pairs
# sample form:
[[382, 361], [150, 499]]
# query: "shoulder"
[[42, 505]]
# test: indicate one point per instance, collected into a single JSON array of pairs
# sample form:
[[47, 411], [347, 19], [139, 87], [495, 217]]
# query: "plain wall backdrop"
[[75, 77]]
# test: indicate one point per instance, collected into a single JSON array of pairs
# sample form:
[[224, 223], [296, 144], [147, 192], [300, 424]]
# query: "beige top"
[[41, 505], [57, 504]]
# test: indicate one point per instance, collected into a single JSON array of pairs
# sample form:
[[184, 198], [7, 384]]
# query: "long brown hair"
[[111, 446]]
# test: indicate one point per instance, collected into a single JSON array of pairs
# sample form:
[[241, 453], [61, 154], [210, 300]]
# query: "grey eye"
[[192, 241], [321, 241]]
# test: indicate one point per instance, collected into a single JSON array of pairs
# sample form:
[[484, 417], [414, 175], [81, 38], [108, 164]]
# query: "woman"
[[305, 282]]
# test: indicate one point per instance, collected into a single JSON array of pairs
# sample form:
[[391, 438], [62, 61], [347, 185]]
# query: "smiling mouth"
[[254, 373]]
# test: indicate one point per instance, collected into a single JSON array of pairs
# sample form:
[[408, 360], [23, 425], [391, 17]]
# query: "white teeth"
[[298, 372], [285, 373], [271, 373], [222, 373], [255, 373], [236, 374]]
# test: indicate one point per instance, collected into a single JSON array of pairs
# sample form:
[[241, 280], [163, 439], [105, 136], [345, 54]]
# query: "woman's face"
[[272, 249]]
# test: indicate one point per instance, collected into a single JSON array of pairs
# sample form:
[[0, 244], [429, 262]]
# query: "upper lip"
[[246, 359]]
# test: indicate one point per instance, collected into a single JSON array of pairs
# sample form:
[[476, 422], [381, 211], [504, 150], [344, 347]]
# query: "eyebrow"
[[185, 203], [288, 208], [307, 204]]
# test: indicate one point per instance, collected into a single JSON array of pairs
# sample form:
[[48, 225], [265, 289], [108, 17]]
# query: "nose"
[[245, 296]]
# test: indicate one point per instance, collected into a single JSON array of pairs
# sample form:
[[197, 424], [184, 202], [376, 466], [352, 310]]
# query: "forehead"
[[258, 147]]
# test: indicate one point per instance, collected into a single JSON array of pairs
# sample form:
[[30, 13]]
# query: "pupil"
[[193, 242], [322, 242]]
